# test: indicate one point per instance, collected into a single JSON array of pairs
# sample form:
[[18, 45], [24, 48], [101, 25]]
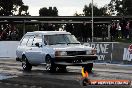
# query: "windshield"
[[60, 39]]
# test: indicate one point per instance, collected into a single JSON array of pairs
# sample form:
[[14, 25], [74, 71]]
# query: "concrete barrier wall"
[[8, 48], [107, 51]]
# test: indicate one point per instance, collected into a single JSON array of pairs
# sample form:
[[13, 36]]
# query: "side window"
[[30, 41], [46, 40], [37, 39], [24, 40]]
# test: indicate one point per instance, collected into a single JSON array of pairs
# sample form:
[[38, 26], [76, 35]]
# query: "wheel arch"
[[46, 56], [24, 56], [51, 57]]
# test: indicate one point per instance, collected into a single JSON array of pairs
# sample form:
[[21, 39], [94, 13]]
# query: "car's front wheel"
[[62, 68], [25, 64], [88, 67], [50, 66]]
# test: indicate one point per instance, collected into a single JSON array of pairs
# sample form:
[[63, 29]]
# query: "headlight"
[[60, 53], [93, 51], [88, 52]]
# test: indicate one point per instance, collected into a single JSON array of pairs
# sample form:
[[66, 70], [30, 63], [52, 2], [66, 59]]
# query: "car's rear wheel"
[[88, 67], [50, 66], [25, 64]]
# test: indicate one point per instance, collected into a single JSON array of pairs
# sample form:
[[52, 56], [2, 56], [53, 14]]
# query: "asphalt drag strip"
[[45, 82], [12, 76], [49, 81]]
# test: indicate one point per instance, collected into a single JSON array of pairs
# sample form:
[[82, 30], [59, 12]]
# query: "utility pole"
[[92, 23]]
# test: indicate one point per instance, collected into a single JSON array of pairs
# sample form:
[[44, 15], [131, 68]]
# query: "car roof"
[[47, 32]]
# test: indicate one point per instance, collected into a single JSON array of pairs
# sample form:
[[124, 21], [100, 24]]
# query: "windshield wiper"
[[74, 43], [61, 43], [65, 43]]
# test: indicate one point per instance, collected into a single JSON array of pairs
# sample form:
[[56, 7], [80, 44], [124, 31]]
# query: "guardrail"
[[111, 52]]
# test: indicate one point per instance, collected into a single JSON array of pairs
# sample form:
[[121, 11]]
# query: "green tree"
[[23, 10], [51, 11], [120, 7], [96, 11], [12, 7], [78, 14]]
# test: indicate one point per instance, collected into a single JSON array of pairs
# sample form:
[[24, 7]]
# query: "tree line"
[[82, 31], [114, 7]]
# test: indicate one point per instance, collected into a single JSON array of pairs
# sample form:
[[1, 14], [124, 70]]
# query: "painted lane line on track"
[[113, 71], [8, 83], [33, 87], [39, 87], [113, 64], [16, 84], [25, 86], [105, 70]]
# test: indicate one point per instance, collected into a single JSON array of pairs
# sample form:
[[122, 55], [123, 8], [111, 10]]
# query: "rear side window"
[[24, 40], [30, 41], [37, 39]]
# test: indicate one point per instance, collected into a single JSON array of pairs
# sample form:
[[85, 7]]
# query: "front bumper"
[[75, 60]]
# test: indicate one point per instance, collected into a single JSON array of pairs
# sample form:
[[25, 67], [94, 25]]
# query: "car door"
[[35, 52], [22, 46]]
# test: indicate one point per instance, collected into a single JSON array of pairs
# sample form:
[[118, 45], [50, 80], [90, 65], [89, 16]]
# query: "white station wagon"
[[56, 49]]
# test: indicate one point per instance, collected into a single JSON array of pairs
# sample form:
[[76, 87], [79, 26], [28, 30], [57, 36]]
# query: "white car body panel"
[[36, 55], [71, 47]]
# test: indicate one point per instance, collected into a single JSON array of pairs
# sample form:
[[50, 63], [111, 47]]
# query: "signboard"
[[104, 50], [127, 55]]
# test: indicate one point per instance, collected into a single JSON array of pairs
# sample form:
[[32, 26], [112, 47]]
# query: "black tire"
[[62, 68], [17, 59], [50, 66], [88, 67], [25, 64]]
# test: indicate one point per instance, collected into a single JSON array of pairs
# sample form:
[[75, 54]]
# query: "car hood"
[[70, 47]]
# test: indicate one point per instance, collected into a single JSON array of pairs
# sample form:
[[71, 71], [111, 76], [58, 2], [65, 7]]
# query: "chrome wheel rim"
[[24, 63], [48, 64]]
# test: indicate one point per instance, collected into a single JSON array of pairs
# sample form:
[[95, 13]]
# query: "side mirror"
[[38, 44]]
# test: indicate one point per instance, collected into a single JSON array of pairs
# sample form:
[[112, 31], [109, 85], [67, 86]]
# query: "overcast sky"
[[65, 7]]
